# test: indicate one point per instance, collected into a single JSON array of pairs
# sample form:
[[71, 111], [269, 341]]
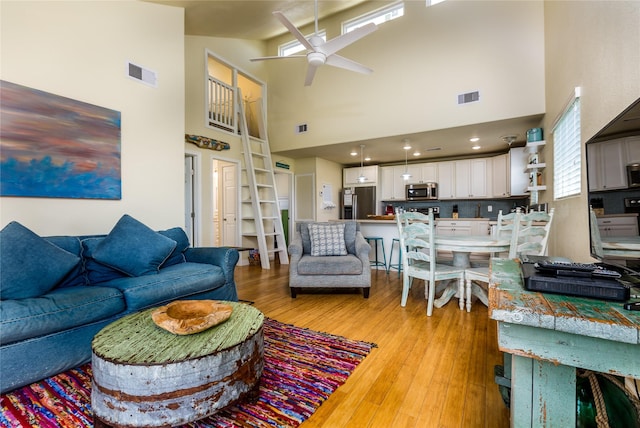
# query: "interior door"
[[229, 205], [189, 199], [305, 202]]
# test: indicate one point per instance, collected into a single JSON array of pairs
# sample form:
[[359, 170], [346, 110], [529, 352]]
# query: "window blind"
[[566, 153]]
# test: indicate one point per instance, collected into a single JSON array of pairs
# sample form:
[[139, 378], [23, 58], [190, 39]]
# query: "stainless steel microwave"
[[633, 175], [421, 192]]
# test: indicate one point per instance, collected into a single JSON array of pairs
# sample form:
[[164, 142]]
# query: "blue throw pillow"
[[97, 272], [133, 248], [182, 243], [29, 265]]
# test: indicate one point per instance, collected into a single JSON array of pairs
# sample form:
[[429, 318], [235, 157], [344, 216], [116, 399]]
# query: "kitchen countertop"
[[441, 218], [618, 215]]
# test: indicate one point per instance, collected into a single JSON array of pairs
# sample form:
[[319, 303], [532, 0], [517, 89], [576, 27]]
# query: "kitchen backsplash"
[[466, 208], [613, 201]]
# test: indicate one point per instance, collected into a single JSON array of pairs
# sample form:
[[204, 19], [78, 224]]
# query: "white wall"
[[421, 62], [79, 50], [594, 45], [236, 53]]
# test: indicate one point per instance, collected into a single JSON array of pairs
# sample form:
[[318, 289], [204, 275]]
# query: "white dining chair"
[[506, 228], [417, 232], [528, 235]]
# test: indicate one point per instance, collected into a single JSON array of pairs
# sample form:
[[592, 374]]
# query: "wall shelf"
[[533, 146]]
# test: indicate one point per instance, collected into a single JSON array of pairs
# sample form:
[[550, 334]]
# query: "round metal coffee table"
[[144, 376]]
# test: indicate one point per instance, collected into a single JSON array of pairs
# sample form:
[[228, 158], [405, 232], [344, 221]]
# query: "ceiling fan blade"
[[337, 43], [347, 64], [311, 72], [292, 28], [262, 58]]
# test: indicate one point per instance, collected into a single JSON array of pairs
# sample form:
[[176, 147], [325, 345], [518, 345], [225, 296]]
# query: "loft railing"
[[222, 107]]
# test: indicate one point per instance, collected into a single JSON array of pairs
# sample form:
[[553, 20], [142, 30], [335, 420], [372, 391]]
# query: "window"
[[433, 2], [566, 151], [294, 46], [379, 16]]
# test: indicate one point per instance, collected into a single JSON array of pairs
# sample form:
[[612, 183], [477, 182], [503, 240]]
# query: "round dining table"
[[461, 247]]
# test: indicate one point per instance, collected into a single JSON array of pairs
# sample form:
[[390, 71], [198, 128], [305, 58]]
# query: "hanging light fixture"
[[362, 178], [406, 147]]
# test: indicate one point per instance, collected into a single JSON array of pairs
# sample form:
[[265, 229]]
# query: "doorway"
[[190, 197], [225, 202], [284, 186]]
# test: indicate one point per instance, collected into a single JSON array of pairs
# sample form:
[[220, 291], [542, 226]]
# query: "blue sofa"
[[56, 293]]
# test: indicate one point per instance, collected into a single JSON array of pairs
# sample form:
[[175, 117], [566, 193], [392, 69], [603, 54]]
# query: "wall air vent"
[[469, 97], [301, 129], [141, 74]]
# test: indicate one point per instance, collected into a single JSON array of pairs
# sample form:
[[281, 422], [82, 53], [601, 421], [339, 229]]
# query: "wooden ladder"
[[260, 214]]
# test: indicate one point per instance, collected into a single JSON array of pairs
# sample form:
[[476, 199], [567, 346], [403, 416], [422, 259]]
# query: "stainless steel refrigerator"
[[358, 202]]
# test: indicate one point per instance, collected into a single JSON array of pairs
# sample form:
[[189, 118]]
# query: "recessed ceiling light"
[[354, 153], [474, 139], [416, 153], [367, 158], [476, 147]]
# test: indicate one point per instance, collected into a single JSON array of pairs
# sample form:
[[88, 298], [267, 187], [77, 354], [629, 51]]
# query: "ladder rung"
[[276, 250], [261, 155]]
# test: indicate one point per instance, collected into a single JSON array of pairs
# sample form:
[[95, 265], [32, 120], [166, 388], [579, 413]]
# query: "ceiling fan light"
[[316, 58]]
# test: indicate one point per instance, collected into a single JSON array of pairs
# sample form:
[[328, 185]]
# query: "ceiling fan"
[[320, 52]]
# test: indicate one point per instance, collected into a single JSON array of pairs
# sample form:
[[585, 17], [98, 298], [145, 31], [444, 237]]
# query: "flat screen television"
[[616, 194]]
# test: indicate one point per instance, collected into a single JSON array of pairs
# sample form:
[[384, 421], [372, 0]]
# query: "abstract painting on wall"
[[56, 147]]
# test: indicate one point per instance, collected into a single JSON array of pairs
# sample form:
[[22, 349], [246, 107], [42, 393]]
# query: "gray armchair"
[[351, 270]]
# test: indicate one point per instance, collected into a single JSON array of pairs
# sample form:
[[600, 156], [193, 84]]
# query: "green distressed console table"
[[548, 336]]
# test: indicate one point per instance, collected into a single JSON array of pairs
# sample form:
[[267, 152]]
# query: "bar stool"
[[398, 265], [377, 261]]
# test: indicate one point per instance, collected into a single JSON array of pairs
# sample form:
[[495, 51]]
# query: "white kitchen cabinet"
[[500, 176], [471, 178], [454, 227], [446, 175], [429, 172], [414, 170], [612, 225], [633, 149], [386, 183], [519, 180], [462, 227], [607, 164], [392, 183], [350, 176]]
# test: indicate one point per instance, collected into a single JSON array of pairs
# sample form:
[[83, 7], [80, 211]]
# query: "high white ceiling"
[[254, 20]]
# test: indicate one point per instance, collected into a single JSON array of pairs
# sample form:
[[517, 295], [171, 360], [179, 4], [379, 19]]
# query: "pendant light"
[[407, 147], [362, 178]]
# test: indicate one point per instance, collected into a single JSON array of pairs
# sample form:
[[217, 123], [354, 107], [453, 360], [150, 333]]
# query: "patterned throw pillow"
[[327, 240]]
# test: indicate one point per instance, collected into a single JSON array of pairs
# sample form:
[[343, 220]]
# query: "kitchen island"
[[388, 230]]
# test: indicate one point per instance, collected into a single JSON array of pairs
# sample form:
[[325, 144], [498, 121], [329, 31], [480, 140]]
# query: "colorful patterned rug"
[[302, 368]]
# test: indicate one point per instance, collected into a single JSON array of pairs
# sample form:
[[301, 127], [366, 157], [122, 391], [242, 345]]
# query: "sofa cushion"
[[58, 310], [330, 265], [327, 240], [30, 265], [95, 271], [350, 228], [133, 248], [73, 245], [173, 282], [182, 243]]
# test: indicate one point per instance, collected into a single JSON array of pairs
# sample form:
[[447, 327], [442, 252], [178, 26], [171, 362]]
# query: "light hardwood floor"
[[426, 371]]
